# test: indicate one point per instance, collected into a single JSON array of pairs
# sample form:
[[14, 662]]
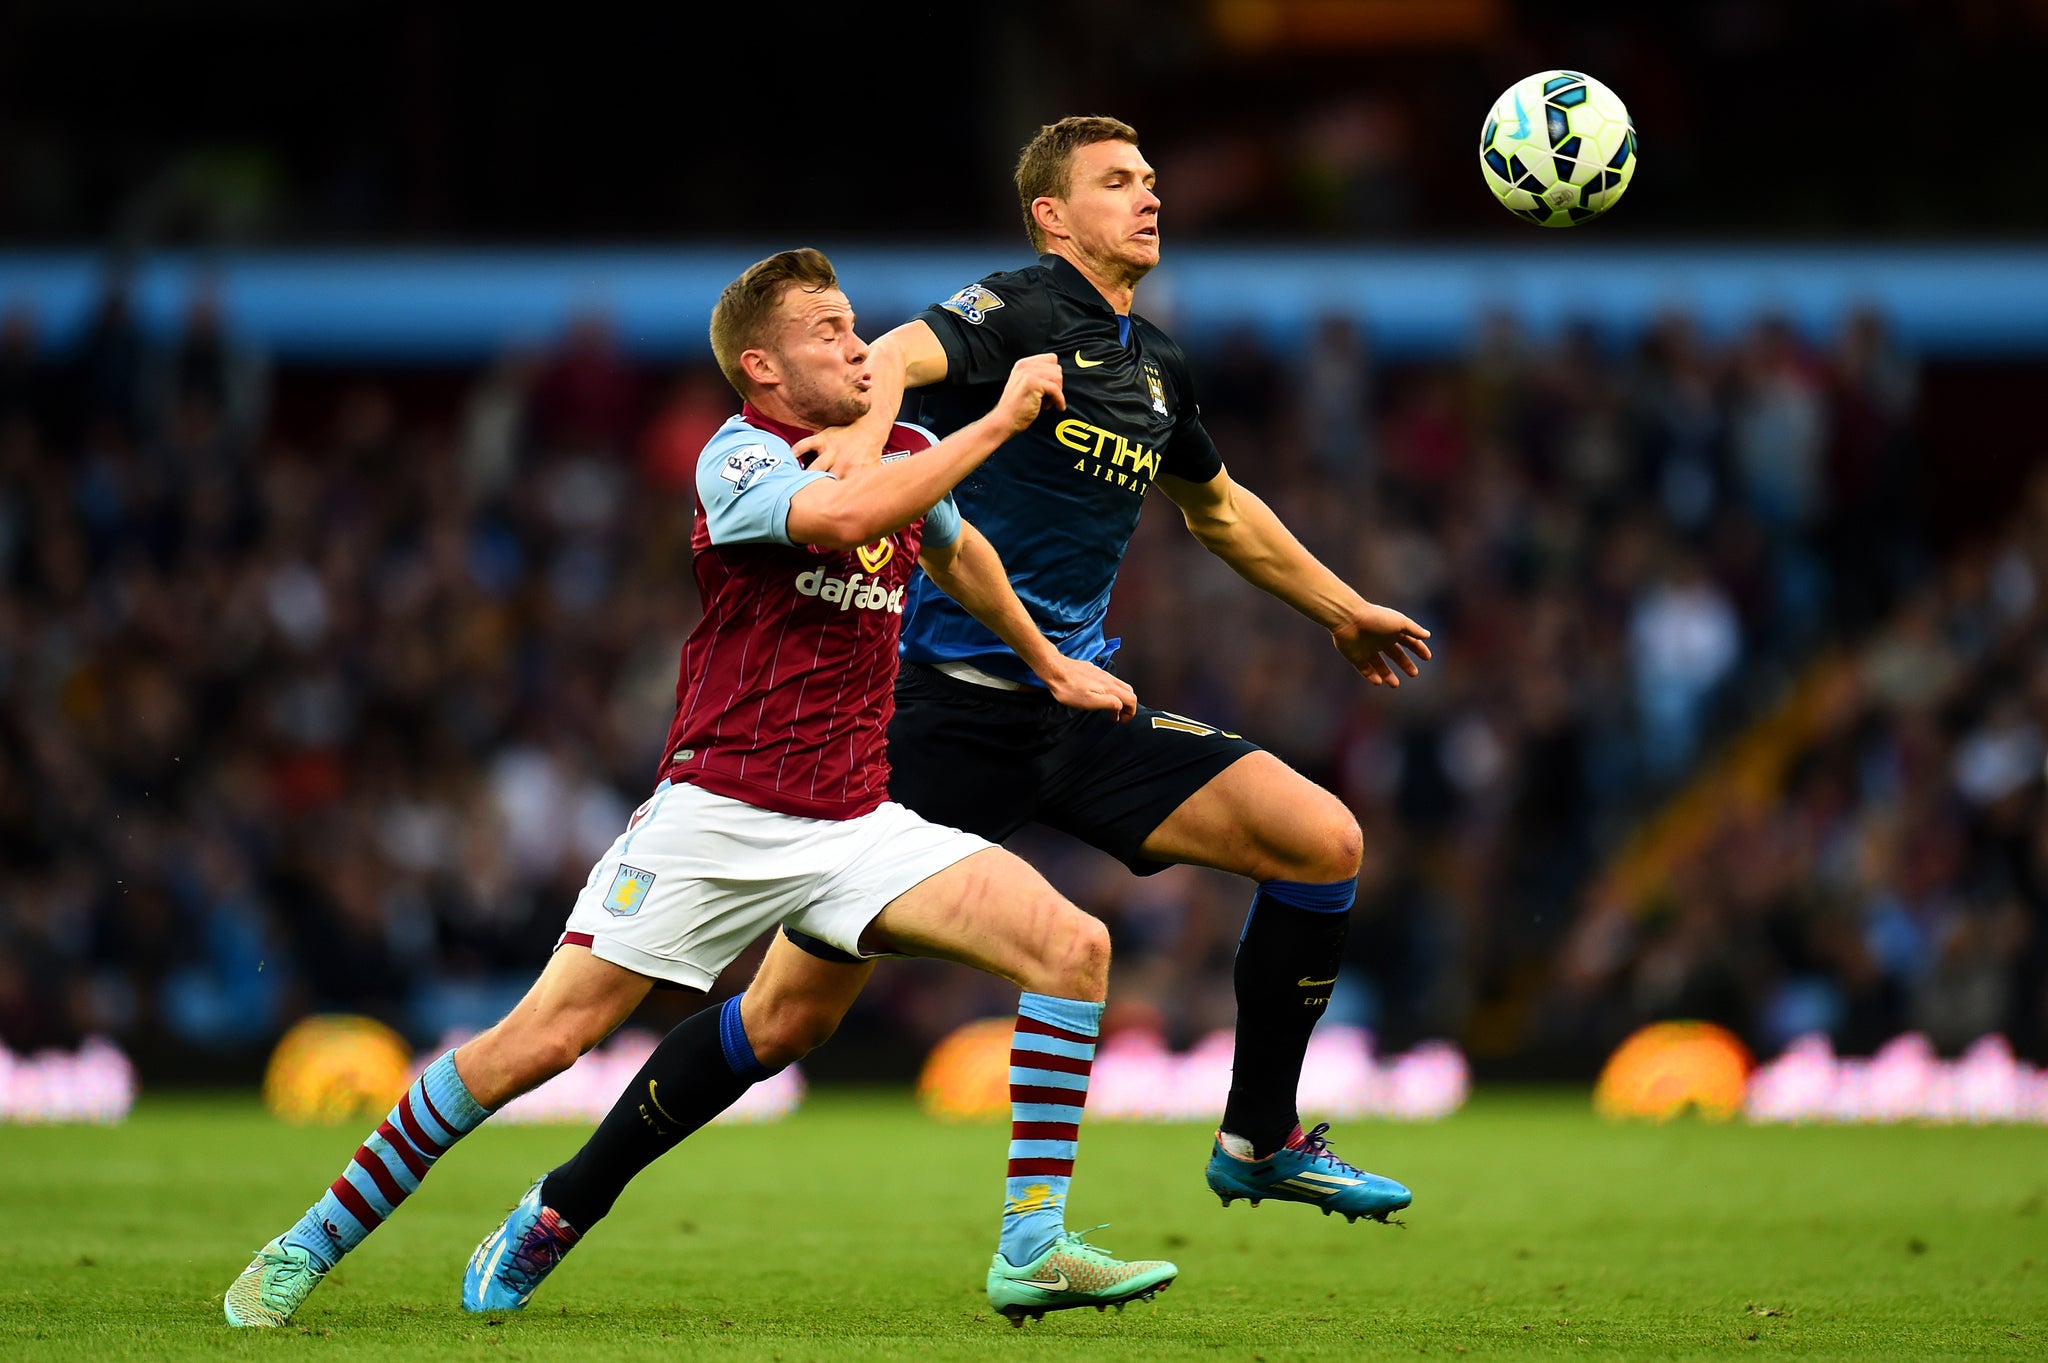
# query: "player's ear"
[[1050, 215], [760, 367]]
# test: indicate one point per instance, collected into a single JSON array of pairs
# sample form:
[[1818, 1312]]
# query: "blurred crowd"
[[1899, 881], [1625, 551], [336, 713]]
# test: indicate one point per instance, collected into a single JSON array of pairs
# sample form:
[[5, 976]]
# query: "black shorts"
[[990, 761]]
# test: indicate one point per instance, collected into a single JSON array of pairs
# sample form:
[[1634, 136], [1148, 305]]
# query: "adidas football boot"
[[516, 1257], [1305, 1169]]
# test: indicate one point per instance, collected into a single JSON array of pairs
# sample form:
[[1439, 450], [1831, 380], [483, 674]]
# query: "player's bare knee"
[[1078, 955], [558, 1045], [1324, 844], [792, 1032], [1347, 846], [814, 1030]]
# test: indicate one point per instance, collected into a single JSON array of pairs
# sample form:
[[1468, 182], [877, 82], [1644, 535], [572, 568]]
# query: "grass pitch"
[[860, 1230]]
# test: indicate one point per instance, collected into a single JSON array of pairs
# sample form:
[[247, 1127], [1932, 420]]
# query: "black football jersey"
[[1061, 499]]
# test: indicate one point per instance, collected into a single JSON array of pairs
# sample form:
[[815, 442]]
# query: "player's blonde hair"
[[1045, 167], [745, 307]]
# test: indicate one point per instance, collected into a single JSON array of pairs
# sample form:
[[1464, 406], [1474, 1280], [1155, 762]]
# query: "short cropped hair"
[[1045, 169], [739, 321]]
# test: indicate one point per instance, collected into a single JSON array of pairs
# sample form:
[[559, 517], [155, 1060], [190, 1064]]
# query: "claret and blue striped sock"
[[435, 1112], [1050, 1057]]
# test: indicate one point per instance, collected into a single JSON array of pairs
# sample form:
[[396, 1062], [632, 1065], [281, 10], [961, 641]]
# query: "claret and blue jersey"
[[1061, 499], [786, 684]]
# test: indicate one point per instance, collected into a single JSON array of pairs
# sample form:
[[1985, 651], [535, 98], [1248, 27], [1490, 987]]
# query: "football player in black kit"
[[978, 744]]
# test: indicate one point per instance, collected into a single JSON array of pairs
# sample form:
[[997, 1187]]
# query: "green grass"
[[858, 1229]]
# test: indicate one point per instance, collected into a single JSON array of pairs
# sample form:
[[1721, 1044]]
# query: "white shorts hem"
[[652, 966], [697, 876]]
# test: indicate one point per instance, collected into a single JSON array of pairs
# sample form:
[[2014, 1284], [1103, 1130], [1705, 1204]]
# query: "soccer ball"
[[1558, 148]]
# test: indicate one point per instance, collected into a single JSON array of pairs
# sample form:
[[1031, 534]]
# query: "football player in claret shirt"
[[976, 740], [773, 808]]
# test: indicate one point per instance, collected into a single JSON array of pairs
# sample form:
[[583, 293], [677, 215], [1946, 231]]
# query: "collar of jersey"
[[753, 416], [1074, 284]]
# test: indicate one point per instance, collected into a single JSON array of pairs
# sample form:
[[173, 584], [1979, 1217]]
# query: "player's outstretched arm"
[[1239, 528], [908, 357], [971, 572], [860, 505]]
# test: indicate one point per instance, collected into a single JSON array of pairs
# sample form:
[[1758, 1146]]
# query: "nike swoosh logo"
[[1080, 363], [1521, 117], [1310, 984], [1058, 1282], [652, 1084]]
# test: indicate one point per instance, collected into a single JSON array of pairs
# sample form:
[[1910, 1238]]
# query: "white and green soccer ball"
[[1558, 148]]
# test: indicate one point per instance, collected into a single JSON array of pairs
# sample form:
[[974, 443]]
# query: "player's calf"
[[994, 912], [799, 996], [577, 1001], [1288, 960], [784, 1036], [700, 1069]]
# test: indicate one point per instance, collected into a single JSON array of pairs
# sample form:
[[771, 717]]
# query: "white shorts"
[[696, 877]]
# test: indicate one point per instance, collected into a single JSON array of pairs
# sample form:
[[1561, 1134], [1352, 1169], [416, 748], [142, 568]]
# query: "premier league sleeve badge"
[[973, 303]]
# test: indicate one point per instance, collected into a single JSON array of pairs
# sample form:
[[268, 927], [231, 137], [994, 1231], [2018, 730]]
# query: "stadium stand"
[[314, 694]]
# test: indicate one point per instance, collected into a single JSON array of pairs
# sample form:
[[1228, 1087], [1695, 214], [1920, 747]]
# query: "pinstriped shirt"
[[786, 686]]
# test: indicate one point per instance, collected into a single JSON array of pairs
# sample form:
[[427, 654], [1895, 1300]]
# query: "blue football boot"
[[516, 1257], [1305, 1169]]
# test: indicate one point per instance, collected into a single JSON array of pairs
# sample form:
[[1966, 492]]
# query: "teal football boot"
[[273, 1286], [1073, 1273], [516, 1257], [1305, 1169]]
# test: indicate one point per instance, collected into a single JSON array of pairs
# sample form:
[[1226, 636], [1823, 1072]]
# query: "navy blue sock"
[[1287, 964], [698, 1071]]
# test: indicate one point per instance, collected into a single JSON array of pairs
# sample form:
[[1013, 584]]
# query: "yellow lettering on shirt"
[[1112, 457]]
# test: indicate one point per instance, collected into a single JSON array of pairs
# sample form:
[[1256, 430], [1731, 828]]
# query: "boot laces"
[[1316, 1145], [540, 1248], [1075, 1242]]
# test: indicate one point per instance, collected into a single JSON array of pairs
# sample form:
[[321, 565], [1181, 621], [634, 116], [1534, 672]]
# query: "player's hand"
[[1034, 381], [1379, 643], [1084, 686], [842, 449]]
